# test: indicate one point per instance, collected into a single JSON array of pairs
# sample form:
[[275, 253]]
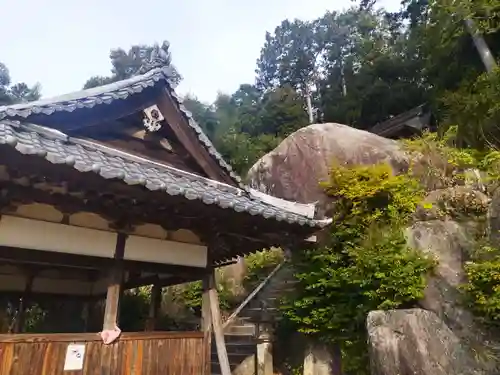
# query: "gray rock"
[[294, 169], [457, 202], [450, 244], [415, 342]]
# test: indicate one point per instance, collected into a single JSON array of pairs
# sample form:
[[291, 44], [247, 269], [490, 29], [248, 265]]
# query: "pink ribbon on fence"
[[110, 335]]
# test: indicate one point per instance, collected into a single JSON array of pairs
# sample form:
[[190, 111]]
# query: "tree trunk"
[[309, 107], [481, 46]]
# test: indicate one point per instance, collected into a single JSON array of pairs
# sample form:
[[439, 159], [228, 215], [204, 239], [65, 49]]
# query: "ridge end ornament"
[[152, 118]]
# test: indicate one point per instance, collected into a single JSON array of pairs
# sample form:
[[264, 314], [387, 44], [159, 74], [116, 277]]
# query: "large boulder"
[[416, 342], [294, 168]]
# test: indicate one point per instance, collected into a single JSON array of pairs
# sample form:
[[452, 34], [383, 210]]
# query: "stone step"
[[234, 358], [235, 338], [246, 330], [256, 310], [269, 302], [215, 367], [237, 348], [277, 293]]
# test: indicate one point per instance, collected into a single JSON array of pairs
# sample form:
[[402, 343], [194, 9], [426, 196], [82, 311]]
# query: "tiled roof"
[[106, 95], [87, 156]]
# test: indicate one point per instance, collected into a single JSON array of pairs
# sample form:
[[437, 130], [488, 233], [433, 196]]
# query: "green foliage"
[[475, 108], [134, 309], [127, 63], [192, 295], [437, 161], [260, 264], [365, 266], [483, 288], [371, 194], [242, 150], [249, 123], [15, 93]]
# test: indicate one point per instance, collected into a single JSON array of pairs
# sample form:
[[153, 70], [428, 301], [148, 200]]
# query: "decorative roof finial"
[[158, 58]]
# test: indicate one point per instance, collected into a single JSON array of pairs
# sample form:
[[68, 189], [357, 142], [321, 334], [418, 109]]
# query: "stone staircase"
[[262, 308], [241, 343]]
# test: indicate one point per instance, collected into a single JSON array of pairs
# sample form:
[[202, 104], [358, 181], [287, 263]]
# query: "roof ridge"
[[94, 92]]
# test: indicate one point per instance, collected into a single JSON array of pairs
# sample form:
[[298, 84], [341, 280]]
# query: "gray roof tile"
[[87, 156], [107, 94]]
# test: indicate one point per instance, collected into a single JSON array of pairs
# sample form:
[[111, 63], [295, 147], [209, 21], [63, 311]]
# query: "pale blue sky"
[[214, 43]]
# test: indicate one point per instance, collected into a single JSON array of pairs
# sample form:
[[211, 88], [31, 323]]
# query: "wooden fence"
[[148, 353]]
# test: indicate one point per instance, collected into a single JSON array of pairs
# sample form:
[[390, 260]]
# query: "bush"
[[365, 265], [482, 289], [259, 265], [436, 161]]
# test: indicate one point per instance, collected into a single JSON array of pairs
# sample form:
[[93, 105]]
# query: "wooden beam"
[[10, 255], [162, 282], [213, 297], [206, 321], [189, 140], [115, 282]]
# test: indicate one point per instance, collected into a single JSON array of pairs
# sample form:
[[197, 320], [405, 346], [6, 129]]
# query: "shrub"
[[259, 265], [365, 265], [482, 289]]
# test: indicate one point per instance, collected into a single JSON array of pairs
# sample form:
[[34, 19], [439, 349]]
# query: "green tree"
[[282, 112], [15, 93], [203, 113], [125, 64]]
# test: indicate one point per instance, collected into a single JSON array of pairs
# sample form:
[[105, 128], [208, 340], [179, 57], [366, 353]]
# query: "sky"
[[214, 43]]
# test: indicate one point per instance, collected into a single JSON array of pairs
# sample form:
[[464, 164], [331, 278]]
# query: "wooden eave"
[[243, 226]]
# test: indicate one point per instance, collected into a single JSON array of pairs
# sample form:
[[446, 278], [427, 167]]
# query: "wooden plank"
[[217, 325], [156, 356], [6, 357], [89, 337]]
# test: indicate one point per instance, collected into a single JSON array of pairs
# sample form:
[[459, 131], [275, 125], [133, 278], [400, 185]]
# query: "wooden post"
[[213, 297], [206, 322], [116, 277], [154, 307]]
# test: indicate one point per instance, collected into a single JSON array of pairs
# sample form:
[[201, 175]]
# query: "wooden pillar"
[[217, 324], [115, 281], [206, 321], [154, 307]]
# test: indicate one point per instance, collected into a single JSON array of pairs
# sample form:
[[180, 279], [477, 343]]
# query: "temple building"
[[113, 188]]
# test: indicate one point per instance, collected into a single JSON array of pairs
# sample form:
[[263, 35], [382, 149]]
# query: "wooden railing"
[[141, 353], [252, 295]]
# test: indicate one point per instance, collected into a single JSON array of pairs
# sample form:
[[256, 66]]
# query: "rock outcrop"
[[440, 337], [415, 342]]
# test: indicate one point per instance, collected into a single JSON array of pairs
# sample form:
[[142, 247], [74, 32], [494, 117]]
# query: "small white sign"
[[74, 357]]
